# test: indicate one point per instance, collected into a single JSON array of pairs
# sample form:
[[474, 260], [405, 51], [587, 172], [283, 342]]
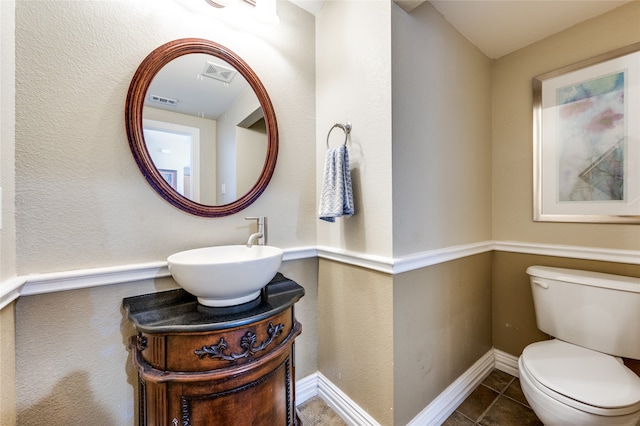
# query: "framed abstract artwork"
[[586, 133]]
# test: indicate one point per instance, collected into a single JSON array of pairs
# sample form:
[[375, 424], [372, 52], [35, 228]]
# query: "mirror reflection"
[[204, 129]]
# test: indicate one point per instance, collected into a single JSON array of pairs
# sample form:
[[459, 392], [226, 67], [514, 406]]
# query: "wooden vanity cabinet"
[[216, 366]]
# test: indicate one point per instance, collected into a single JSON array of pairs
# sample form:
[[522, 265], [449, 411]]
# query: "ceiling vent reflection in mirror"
[[163, 100], [219, 72], [224, 3], [219, 3]]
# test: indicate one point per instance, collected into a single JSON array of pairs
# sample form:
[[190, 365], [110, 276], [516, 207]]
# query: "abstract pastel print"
[[592, 140]]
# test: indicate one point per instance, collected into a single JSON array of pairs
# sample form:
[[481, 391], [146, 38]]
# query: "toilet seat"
[[584, 379]]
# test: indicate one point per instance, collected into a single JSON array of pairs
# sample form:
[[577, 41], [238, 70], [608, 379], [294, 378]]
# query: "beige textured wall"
[[441, 197], [355, 325], [73, 367], [514, 322], [513, 123], [441, 135], [7, 366], [7, 138], [7, 233], [441, 326], [418, 331], [353, 72], [305, 273], [355, 333], [82, 202]]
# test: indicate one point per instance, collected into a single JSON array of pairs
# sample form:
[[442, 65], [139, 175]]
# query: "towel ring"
[[346, 128]]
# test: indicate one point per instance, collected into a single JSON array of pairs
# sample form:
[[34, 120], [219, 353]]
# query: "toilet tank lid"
[[595, 279]]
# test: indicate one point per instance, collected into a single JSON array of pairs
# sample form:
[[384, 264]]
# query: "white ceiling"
[[499, 27]]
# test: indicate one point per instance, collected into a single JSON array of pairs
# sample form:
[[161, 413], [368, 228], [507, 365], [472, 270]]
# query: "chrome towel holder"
[[346, 128]]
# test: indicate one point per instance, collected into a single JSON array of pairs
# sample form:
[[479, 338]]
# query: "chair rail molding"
[[576, 252], [28, 285], [10, 290]]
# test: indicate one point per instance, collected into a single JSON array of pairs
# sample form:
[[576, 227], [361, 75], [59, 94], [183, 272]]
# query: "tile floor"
[[315, 412], [497, 401]]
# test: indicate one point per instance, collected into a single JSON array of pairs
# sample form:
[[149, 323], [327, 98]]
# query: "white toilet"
[[577, 378]]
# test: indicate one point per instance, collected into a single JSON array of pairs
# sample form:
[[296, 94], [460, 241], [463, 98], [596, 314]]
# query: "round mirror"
[[201, 127]]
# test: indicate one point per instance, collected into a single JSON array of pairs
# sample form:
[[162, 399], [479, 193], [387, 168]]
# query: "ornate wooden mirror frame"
[[142, 78]]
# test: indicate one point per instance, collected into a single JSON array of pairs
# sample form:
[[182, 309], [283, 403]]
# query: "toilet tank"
[[589, 309]]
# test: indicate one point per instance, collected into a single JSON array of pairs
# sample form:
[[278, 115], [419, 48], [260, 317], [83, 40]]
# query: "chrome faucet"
[[253, 237], [261, 235]]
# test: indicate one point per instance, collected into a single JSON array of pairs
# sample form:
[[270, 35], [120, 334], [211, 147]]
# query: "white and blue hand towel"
[[337, 194]]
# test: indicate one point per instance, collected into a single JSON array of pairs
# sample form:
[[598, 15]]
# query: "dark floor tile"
[[477, 402], [457, 419], [632, 364], [497, 380], [506, 411], [515, 391]]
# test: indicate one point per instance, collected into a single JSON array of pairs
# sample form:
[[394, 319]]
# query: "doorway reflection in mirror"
[[175, 148]]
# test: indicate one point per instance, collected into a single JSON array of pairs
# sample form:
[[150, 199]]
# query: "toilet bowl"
[[569, 385], [578, 378]]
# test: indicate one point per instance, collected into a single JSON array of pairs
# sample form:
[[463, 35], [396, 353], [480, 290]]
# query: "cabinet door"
[[261, 397]]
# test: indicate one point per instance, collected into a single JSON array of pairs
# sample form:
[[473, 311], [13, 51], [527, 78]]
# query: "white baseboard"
[[434, 414], [446, 403], [306, 388], [506, 362], [318, 385], [344, 406]]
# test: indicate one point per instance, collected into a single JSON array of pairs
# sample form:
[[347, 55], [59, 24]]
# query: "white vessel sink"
[[225, 275]]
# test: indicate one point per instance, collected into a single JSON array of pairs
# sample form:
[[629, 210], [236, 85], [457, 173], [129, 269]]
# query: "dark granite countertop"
[[177, 311]]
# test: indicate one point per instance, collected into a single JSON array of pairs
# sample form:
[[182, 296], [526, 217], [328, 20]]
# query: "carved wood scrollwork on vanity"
[[248, 343], [141, 342]]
